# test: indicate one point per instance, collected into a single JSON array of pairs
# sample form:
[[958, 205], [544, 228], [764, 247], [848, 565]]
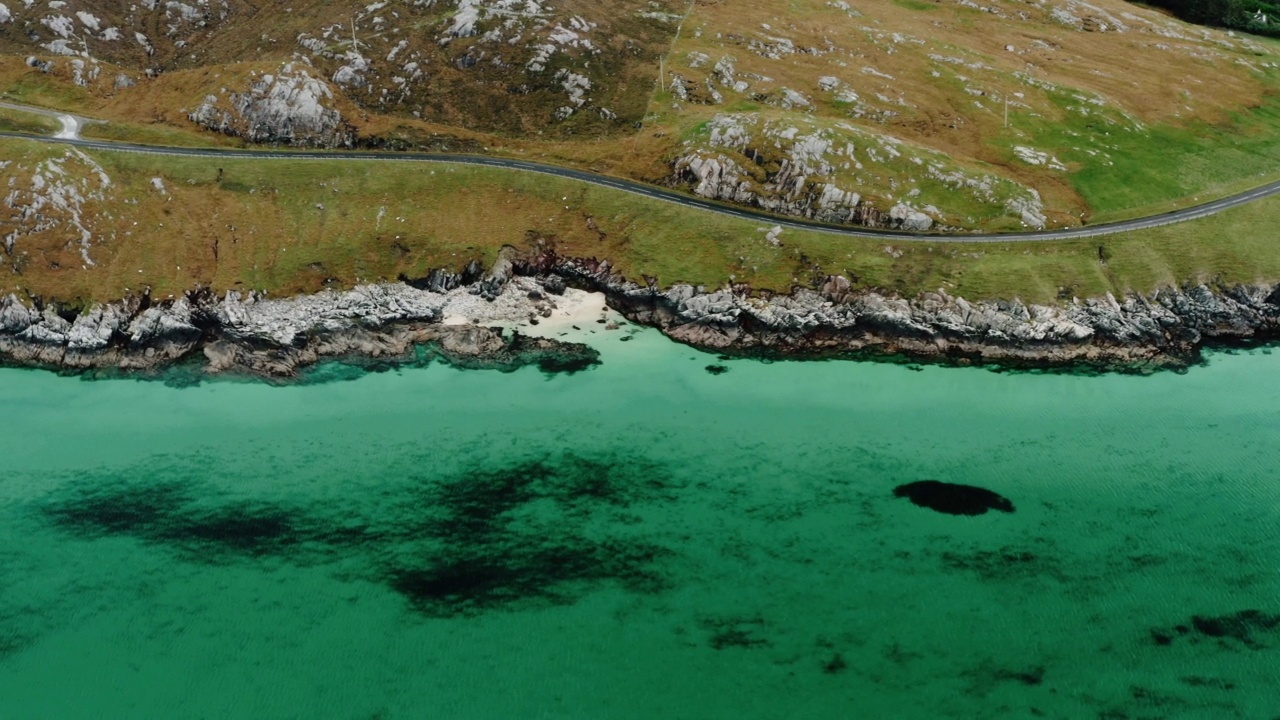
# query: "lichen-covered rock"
[[817, 169], [290, 107]]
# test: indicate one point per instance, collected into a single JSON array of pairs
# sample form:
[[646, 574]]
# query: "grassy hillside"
[[288, 227], [991, 114], [497, 65], [953, 113]]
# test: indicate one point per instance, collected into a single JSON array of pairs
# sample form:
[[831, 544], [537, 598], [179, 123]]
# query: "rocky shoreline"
[[277, 339], [1136, 333], [474, 319]]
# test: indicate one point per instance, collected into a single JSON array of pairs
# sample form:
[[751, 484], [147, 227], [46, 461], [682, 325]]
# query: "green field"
[[156, 134], [1154, 168], [24, 122], [298, 226]]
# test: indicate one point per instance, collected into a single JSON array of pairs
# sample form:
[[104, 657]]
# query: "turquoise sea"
[[645, 539]]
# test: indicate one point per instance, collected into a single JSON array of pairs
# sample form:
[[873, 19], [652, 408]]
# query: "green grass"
[[156, 135], [24, 122], [47, 91], [1156, 167], [915, 5], [1239, 246], [280, 226]]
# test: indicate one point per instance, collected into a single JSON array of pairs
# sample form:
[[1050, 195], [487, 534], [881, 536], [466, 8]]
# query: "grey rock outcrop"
[[447, 312], [492, 284], [277, 338], [837, 173], [291, 108], [1167, 328]]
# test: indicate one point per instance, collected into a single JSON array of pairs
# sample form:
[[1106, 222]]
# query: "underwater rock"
[[953, 498]]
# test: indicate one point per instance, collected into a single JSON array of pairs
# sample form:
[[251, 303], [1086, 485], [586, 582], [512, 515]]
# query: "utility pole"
[[1006, 112]]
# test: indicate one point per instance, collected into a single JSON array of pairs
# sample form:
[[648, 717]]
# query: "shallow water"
[[642, 540]]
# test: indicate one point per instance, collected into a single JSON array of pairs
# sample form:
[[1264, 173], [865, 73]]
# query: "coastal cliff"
[[278, 338], [1166, 328], [457, 316]]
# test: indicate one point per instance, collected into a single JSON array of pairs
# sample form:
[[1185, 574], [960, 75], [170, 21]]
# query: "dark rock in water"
[[953, 498], [567, 363], [717, 369]]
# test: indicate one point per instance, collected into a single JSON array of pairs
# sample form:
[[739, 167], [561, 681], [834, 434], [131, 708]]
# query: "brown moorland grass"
[[501, 76], [1180, 111], [1145, 117], [288, 227]]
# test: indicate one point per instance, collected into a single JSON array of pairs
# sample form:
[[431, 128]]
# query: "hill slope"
[[516, 66], [899, 113]]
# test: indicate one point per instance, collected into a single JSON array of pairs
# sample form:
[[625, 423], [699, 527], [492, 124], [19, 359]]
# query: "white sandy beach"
[[575, 315]]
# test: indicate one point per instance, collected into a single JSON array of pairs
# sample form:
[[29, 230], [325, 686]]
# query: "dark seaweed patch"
[[240, 528], [166, 514], [1154, 698], [1007, 563], [566, 364], [475, 505], [527, 533], [984, 678], [451, 584], [953, 498], [12, 643], [1209, 682], [734, 632], [836, 665], [1249, 628], [717, 369], [540, 531], [463, 582], [100, 511], [1030, 676]]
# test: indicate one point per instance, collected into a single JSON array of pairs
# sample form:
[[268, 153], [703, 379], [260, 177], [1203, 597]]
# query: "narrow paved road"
[[71, 126]]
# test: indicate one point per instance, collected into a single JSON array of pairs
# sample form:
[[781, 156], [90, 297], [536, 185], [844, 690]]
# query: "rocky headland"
[[277, 338], [482, 319]]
